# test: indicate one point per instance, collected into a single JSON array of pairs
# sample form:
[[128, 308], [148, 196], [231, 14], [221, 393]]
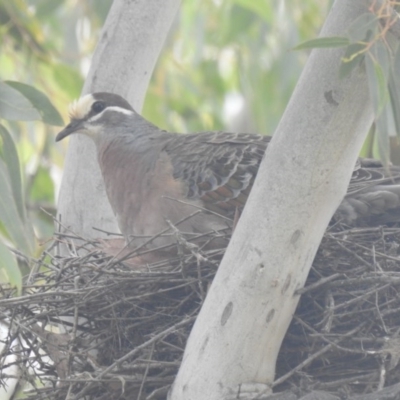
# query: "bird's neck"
[[126, 156]]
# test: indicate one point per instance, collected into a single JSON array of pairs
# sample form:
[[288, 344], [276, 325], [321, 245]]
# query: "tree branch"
[[301, 182]]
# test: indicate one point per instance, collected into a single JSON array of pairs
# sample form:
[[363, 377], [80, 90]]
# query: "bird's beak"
[[73, 127]]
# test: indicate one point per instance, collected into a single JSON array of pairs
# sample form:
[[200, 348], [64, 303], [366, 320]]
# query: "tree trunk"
[[301, 182], [130, 43]]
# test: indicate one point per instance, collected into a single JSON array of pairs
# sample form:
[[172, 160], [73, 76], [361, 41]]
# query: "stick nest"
[[92, 325]]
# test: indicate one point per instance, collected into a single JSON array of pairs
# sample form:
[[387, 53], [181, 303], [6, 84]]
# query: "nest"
[[90, 325]]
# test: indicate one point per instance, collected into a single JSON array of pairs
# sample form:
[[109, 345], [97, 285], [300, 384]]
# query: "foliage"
[[17, 102], [32, 37], [229, 64], [371, 41]]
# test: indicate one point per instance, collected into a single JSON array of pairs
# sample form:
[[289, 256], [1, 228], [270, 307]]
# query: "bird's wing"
[[373, 196], [217, 167], [369, 172]]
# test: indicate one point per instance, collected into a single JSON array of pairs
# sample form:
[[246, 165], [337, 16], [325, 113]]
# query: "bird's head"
[[96, 115]]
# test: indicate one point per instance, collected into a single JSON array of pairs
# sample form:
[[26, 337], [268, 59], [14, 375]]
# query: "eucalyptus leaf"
[[325, 42], [394, 92], [40, 101], [352, 58], [384, 129], [9, 268], [363, 27], [8, 152], [14, 106], [380, 52], [377, 84], [394, 89], [367, 149], [18, 230]]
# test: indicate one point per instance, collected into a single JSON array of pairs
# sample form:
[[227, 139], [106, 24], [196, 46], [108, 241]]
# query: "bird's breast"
[[144, 193]]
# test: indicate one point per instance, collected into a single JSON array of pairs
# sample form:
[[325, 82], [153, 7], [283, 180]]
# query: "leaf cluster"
[[372, 43], [18, 102]]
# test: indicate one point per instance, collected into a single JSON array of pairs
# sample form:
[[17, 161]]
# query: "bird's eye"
[[98, 107]]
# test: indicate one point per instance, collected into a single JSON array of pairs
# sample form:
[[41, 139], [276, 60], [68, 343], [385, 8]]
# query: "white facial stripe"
[[93, 131], [113, 108], [81, 107]]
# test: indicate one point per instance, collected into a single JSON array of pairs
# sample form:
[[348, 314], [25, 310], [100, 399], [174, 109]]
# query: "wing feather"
[[217, 167]]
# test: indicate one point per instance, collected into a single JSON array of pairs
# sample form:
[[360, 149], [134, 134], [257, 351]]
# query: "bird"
[[198, 182]]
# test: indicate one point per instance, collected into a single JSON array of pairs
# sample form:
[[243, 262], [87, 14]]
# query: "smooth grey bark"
[[301, 182], [130, 43]]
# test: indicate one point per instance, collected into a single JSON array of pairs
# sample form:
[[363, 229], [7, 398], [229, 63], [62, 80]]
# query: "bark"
[[301, 182], [130, 43]]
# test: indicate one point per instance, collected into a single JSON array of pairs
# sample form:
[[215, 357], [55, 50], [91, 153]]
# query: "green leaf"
[[379, 52], [379, 72], [325, 42], [18, 230], [352, 58], [363, 27], [40, 101], [385, 128], [14, 106], [9, 269], [8, 152], [377, 84], [366, 150], [394, 89], [395, 103]]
